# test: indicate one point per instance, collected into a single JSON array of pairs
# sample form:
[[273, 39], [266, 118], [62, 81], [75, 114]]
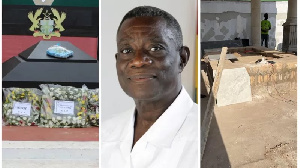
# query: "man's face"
[[148, 59]]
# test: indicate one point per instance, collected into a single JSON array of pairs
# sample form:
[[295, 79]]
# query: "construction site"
[[254, 120], [248, 90]]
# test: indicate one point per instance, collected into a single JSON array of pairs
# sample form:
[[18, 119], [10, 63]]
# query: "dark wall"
[[80, 21], [80, 3]]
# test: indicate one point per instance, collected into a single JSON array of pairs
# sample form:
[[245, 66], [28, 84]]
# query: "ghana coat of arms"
[[46, 24]]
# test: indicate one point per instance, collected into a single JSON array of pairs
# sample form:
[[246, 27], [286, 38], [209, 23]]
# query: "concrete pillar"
[[292, 12], [290, 28], [255, 22]]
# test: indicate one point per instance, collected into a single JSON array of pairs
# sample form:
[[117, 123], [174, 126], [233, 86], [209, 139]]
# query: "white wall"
[[226, 20], [113, 99]]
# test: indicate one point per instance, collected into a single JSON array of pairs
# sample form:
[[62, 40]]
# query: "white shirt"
[[171, 142]]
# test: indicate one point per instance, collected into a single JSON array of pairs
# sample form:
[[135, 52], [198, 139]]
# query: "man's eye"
[[126, 51], [156, 48]]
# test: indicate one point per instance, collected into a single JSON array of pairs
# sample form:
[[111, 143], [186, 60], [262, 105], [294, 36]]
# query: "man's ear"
[[116, 56], [184, 57]]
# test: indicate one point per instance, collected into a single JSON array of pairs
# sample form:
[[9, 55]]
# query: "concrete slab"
[[217, 56], [234, 87], [49, 164], [265, 79], [37, 53], [46, 154], [56, 150]]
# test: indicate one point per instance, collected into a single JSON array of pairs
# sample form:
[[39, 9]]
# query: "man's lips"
[[141, 77]]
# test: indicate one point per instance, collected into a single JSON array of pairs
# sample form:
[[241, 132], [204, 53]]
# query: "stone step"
[[49, 164], [50, 153]]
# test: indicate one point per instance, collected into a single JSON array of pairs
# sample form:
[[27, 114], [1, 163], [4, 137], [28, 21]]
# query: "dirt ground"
[[257, 134]]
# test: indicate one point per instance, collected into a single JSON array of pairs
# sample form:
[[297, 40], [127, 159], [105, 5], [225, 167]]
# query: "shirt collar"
[[164, 130]]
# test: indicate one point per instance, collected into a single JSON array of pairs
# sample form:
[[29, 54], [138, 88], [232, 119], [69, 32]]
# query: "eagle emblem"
[[48, 25]]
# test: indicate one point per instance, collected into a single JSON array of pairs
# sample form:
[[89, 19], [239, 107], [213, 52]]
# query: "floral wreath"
[[21, 95], [93, 107], [64, 93]]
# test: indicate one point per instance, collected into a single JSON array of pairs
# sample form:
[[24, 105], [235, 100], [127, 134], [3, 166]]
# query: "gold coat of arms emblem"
[[46, 24]]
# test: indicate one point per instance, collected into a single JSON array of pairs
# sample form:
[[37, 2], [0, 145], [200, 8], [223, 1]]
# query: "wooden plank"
[[205, 126]]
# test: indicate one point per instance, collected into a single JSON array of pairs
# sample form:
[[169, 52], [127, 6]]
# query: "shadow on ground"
[[215, 154]]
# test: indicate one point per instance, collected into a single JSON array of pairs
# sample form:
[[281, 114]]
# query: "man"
[[265, 27], [161, 131]]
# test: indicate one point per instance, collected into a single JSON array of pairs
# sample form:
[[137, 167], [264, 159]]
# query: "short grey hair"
[[141, 11]]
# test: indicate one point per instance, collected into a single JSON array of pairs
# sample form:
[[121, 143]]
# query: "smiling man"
[[161, 131]]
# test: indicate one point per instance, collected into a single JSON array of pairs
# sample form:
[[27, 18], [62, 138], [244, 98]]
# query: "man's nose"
[[140, 59]]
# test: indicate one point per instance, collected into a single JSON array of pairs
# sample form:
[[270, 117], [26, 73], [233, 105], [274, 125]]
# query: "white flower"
[[36, 117], [24, 118], [59, 117], [50, 124]]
